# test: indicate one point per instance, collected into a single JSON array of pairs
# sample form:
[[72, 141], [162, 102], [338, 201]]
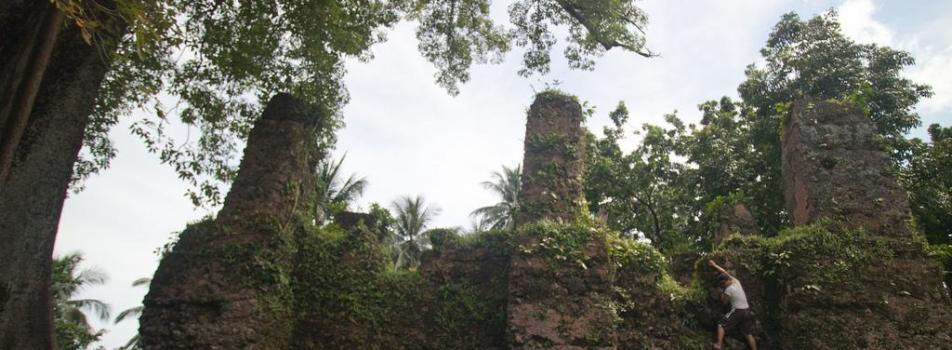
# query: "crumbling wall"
[[830, 286], [653, 310], [835, 166], [263, 276], [468, 278], [553, 162], [735, 218], [560, 277], [225, 285], [346, 296], [851, 274], [869, 283]]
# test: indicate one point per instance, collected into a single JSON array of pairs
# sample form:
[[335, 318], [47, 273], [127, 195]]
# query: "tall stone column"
[[556, 303], [835, 167], [833, 297], [225, 284], [553, 162]]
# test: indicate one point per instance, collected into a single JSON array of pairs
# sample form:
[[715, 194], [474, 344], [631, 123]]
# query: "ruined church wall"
[[225, 283]]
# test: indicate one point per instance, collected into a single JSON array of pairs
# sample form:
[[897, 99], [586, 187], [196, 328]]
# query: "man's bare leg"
[[720, 337], [752, 342]]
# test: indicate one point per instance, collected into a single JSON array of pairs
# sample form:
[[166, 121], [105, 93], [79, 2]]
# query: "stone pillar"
[[557, 303], [225, 284], [553, 161], [735, 218], [834, 166]]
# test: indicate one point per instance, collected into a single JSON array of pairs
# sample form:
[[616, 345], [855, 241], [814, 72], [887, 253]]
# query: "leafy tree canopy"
[[644, 193], [678, 171], [928, 177], [222, 60]]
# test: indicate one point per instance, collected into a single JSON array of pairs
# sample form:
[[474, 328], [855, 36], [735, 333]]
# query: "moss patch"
[[827, 286]]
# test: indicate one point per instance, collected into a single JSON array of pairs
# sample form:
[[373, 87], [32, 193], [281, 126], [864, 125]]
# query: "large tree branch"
[[573, 11]]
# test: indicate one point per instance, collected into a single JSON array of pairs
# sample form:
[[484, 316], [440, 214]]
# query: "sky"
[[407, 136]]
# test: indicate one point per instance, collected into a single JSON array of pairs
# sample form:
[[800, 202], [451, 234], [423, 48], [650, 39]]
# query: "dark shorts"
[[740, 320]]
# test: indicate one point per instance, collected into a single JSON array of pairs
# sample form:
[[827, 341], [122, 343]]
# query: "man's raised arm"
[[719, 268]]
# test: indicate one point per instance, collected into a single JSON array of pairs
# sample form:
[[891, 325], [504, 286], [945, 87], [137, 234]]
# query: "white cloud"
[[932, 65], [856, 17], [935, 68]]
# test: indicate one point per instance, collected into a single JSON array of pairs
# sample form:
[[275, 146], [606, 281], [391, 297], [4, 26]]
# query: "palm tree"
[[412, 217], [73, 330], [332, 192], [478, 224], [507, 185], [133, 312]]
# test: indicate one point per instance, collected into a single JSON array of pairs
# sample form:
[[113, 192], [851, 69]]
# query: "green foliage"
[[384, 224], [820, 256], [594, 27], [440, 236], [74, 336], [137, 36], [559, 143], [497, 241], [928, 177], [506, 185], [222, 61], [455, 34], [413, 215], [344, 278], [664, 189], [461, 310], [72, 328], [942, 252], [559, 243], [630, 254], [644, 193], [335, 194], [814, 58]]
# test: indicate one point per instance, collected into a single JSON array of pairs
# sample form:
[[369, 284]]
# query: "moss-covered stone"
[[653, 310], [826, 286]]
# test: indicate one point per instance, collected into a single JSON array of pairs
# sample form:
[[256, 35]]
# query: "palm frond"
[[144, 281], [331, 189], [130, 312], [412, 217], [91, 276], [76, 316], [133, 343], [507, 185], [97, 307]]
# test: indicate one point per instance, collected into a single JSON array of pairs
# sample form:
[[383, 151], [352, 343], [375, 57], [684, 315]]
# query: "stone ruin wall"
[[200, 298], [858, 278], [556, 307], [553, 162], [490, 294], [834, 166]]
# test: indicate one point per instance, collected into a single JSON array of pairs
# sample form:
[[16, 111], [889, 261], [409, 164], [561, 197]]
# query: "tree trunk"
[[31, 198], [22, 85]]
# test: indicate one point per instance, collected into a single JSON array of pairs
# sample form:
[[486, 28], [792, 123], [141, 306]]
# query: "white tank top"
[[735, 293]]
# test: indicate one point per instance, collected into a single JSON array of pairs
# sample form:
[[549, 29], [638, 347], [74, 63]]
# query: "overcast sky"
[[408, 137]]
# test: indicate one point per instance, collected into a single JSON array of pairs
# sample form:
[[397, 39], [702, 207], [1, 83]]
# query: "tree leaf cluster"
[[734, 151], [506, 184], [928, 177], [220, 62], [72, 328]]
